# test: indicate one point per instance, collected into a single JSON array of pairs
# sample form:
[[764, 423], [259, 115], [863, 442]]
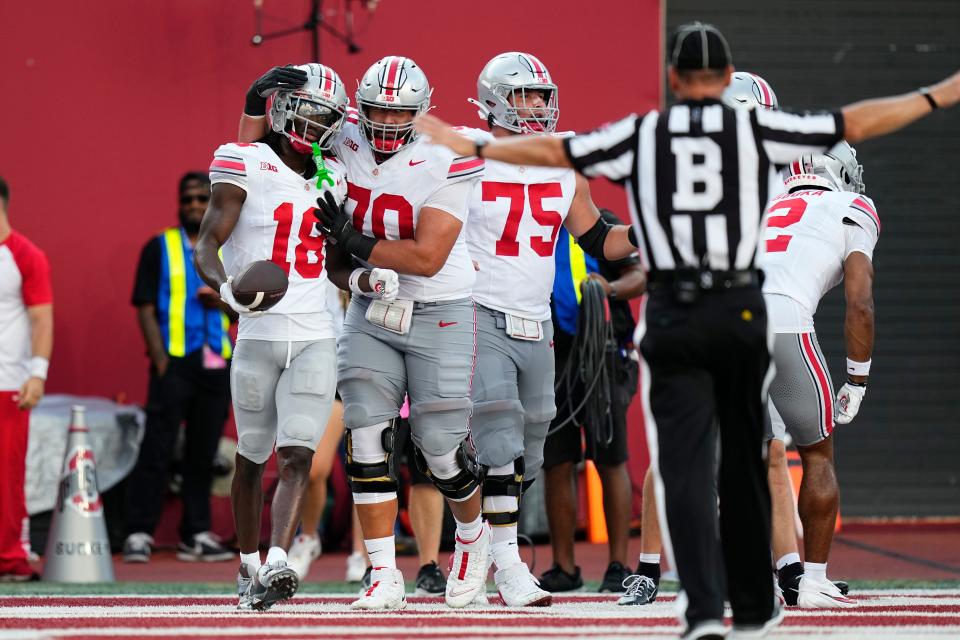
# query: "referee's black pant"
[[707, 364]]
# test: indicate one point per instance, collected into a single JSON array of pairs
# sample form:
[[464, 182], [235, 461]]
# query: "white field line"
[[650, 633], [896, 593]]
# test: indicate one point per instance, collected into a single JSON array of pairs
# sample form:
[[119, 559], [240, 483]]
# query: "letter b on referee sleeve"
[[699, 161]]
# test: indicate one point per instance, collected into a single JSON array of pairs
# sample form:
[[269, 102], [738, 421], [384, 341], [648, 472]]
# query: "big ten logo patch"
[[347, 142], [78, 486], [266, 166]]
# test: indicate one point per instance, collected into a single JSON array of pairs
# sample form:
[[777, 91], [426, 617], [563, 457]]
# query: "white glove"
[[226, 293], [385, 283], [848, 402]]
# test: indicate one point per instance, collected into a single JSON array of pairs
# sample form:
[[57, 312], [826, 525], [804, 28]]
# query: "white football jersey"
[[515, 215], [385, 201], [808, 236], [277, 224]]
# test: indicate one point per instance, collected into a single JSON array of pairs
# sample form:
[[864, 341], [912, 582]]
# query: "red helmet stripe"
[[538, 69], [764, 89], [327, 85], [392, 76]]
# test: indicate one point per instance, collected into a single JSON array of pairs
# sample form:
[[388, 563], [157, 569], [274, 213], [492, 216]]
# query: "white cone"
[[78, 549]]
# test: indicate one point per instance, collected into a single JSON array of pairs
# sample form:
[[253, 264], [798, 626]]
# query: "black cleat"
[[557, 580], [430, 581]]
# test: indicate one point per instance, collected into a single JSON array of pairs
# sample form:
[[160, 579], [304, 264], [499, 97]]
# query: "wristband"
[[855, 368], [632, 236], [355, 281], [38, 367], [613, 291], [925, 92], [478, 151]]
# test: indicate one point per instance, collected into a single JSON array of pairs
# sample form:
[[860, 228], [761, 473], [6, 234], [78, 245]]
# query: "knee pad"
[[497, 428], [439, 426], [455, 474], [368, 465], [501, 494]]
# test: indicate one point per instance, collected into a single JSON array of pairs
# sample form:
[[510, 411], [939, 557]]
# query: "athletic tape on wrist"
[[38, 367], [855, 368], [355, 281]]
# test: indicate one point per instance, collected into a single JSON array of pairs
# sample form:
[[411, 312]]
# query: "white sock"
[[469, 531], [505, 552], [251, 559], [276, 554], [815, 571], [382, 552], [789, 558], [650, 558]]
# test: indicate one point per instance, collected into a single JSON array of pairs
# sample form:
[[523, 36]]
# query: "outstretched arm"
[[541, 151], [879, 116]]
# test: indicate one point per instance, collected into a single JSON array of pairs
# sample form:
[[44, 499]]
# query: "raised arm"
[[253, 122], [879, 116]]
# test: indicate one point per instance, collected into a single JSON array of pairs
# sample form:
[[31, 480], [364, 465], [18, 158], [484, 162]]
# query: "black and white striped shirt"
[[698, 176]]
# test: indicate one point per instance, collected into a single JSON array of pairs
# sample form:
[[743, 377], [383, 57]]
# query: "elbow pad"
[[592, 241]]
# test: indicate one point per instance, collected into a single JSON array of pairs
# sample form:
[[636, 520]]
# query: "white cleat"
[[304, 550], [822, 595], [386, 591], [356, 566], [518, 587], [467, 577]]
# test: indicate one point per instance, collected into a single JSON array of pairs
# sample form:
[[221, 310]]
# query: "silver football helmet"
[[393, 82], [313, 112], [749, 90], [504, 94], [836, 170]]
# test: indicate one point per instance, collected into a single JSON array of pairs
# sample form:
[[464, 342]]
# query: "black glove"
[[287, 78], [336, 225]]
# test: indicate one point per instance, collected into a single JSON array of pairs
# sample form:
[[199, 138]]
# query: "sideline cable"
[[590, 366]]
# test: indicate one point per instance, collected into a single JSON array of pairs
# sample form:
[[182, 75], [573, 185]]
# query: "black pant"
[[707, 361], [201, 398]]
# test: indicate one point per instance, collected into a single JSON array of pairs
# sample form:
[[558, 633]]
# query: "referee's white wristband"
[[38, 367], [355, 281], [855, 368]]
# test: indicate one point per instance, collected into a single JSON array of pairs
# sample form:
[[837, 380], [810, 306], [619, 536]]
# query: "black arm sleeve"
[[146, 287], [592, 241]]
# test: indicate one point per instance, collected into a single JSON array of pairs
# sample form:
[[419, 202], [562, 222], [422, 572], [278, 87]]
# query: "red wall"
[[108, 102]]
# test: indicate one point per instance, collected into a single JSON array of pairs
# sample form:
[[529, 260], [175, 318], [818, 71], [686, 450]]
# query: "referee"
[[697, 179]]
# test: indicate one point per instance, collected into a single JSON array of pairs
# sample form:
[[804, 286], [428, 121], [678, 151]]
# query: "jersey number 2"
[[507, 245], [795, 208], [303, 264]]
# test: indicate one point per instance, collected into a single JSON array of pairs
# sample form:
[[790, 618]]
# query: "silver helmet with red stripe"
[[836, 170], [313, 113], [749, 90], [515, 91], [398, 84]]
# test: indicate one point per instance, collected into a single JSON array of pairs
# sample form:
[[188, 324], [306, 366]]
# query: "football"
[[260, 285]]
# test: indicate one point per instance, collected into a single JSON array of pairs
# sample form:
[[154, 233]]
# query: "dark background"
[[901, 456]]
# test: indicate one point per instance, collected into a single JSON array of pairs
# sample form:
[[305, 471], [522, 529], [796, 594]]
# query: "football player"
[[515, 215], [405, 208], [821, 232], [282, 378]]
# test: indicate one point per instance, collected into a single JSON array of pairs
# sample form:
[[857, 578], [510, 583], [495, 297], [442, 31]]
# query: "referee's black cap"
[[697, 46]]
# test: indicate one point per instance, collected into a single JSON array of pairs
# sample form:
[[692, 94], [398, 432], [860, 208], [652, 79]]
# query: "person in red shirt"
[[26, 324]]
